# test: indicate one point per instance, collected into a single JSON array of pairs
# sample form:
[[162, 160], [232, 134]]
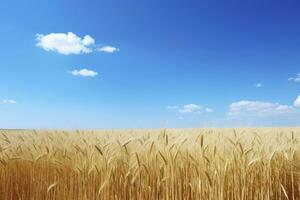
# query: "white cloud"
[[84, 72], [209, 110], [108, 49], [190, 108], [258, 108], [9, 101], [65, 43], [258, 85], [172, 107], [297, 102], [88, 40], [295, 79]]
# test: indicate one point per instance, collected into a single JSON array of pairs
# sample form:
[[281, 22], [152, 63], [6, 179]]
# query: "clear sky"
[[149, 63]]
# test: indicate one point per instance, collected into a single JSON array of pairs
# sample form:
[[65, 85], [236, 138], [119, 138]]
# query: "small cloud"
[[65, 43], [84, 72], [9, 101], [108, 49], [295, 79], [297, 102], [190, 108], [172, 107], [258, 108], [209, 110], [258, 85]]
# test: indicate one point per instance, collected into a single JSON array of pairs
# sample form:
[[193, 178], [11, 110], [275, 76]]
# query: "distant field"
[[208, 164]]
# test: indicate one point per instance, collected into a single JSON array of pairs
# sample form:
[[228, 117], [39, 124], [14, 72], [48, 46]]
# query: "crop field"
[[208, 164]]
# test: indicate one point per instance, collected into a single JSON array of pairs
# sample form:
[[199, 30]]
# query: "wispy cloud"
[[65, 43], [84, 72], [209, 110], [297, 102], [190, 109], [172, 107], [258, 108], [9, 101], [258, 85], [295, 79], [108, 49]]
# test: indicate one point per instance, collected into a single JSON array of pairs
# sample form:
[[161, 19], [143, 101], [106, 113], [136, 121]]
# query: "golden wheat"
[[208, 164]]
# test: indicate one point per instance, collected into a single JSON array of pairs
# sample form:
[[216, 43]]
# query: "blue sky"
[[143, 64]]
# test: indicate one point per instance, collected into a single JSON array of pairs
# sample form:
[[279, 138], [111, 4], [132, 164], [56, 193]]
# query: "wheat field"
[[208, 164]]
